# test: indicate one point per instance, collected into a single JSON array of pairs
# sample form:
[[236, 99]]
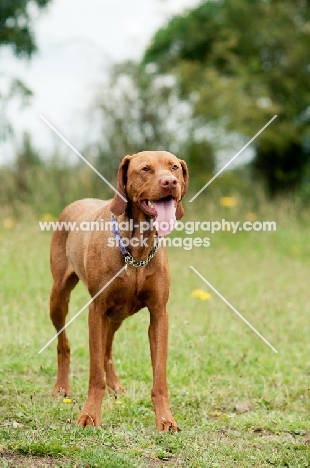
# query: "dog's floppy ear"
[[180, 210], [118, 205]]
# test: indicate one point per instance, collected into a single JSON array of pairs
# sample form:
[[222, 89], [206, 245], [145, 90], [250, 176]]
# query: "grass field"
[[238, 403]]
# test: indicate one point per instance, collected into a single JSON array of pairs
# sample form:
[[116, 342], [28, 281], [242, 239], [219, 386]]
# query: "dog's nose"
[[169, 182]]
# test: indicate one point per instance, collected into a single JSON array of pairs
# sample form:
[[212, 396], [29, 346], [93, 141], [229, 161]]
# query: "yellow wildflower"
[[47, 217], [67, 400], [251, 217], [228, 202], [202, 295], [118, 402], [8, 223]]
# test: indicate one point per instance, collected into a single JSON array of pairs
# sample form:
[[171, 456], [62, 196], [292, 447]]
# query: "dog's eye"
[[145, 168], [175, 167]]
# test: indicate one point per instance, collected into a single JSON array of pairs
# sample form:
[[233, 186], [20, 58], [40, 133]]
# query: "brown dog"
[[154, 184]]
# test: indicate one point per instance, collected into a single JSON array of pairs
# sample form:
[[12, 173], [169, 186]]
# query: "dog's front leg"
[[158, 336], [98, 329]]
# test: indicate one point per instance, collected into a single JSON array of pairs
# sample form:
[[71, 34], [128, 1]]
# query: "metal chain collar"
[[129, 260]]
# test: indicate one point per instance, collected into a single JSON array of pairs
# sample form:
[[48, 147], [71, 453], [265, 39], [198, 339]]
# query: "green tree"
[[16, 33], [239, 62], [16, 25], [139, 109], [27, 159]]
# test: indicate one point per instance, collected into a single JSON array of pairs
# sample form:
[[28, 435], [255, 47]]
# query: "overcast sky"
[[77, 40]]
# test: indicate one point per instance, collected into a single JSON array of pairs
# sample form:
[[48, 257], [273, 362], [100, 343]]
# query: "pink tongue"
[[165, 220]]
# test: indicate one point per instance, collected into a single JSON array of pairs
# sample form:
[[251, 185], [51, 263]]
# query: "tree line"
[[222, 69]]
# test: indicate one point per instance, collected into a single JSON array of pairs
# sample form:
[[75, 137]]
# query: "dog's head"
[[156, 181]]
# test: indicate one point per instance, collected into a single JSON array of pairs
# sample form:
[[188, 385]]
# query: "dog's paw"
[[61, 390], [88, 419], [116, 391], [167, 423]]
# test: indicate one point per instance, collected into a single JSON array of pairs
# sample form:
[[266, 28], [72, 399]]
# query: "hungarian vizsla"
[[153, 183]]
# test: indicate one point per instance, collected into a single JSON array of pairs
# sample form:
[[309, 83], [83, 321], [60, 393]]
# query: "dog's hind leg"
[[64, 281], [59, 303], [112, 380]]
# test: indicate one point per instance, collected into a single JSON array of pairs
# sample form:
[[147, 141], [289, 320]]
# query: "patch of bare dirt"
[[11, 460]]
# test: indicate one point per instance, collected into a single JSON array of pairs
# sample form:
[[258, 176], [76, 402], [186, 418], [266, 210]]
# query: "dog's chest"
[[130, 295]]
